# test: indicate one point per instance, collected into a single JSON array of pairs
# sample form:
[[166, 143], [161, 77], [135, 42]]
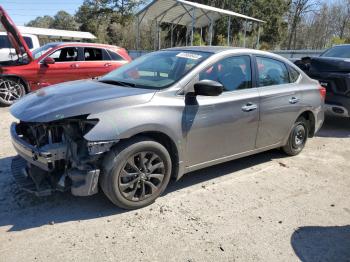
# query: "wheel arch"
[[24, 82], [310, 118], [166, 141]]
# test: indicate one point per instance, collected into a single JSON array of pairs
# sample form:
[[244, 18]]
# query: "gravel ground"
[[266, 207]]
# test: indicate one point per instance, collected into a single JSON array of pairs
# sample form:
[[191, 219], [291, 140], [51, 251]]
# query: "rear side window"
[[272, 72], [293, 74], [93, 54], [234, 73], [28, 41], [115, 56]]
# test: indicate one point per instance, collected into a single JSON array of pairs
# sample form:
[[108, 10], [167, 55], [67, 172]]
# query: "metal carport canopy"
[[181, 12]]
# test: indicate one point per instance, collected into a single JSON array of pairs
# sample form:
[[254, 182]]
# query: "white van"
[[7, 52]]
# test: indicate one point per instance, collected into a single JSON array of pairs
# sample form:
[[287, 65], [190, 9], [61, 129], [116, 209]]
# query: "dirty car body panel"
[[67, 131]]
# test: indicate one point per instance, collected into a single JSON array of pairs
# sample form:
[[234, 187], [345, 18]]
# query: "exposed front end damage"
[[55, 156]]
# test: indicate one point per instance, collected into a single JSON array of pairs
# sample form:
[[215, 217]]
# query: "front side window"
[[234, 73], [272, 72], [156, 70], [67, 54], [93, 54]]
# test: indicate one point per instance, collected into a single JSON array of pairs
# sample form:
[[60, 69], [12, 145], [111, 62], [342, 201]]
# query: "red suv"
[[52, 63]]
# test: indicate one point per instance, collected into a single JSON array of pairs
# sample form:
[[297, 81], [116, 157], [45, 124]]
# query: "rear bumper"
[[338, 92], [336, 110]]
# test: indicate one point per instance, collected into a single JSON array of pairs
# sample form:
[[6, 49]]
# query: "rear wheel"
[[11, 89], [297, 138], [136, 173]]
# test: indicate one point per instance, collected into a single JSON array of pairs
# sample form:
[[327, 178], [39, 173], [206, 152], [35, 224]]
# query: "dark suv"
[[332, 70]]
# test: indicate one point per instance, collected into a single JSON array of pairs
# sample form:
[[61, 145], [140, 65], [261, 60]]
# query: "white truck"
[[8, 53]]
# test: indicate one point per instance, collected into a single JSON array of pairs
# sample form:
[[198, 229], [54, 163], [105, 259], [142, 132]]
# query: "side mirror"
[[208, 88], [48, 61]]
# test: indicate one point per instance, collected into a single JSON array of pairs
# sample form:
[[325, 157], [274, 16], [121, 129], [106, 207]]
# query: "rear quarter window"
[[293, 74], [115, 56], [271, 72]]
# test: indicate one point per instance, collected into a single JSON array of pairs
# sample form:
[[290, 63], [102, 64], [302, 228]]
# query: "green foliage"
[[265, 46], [340, 41], [42, 22], [197, 41], [221, 40], [63, 20]]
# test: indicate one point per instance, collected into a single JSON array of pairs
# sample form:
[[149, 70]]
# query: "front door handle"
[[74, 65], [249, 107], [293, 100], [108, 65]]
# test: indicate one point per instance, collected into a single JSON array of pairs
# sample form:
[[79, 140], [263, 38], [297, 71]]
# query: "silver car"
[[163, 115]]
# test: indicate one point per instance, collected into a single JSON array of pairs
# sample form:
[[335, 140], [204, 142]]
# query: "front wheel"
[[136, 172], [10, 90], [297, 138]]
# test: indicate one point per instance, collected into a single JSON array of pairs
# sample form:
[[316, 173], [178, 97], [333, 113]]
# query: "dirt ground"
[[266, 207]]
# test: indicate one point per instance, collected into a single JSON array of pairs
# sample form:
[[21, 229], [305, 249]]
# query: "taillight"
[[323, 92]]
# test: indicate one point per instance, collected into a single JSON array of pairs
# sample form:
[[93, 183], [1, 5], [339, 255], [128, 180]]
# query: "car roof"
[[220, 49], [82, 44], [208, 49]]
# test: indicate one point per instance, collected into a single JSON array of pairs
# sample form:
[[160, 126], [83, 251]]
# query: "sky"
[[22, 11]]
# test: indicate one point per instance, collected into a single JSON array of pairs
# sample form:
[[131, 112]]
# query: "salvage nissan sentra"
[[161, 116]]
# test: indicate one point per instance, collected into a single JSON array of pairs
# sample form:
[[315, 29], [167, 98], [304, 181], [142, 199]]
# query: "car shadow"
[[20, 210], [338, 127], [315, 243]]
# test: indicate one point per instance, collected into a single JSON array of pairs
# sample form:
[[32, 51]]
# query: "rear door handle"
[[108, 65], [74, 65], [249, 107], [293, 100]]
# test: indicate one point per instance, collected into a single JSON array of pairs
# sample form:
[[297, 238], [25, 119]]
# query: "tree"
[[62, 20], [65, 21], [298, 8], [42, 22]]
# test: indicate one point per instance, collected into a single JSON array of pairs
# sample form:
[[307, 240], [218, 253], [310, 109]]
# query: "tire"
[[130, 184], [11, 89], [297, 137]]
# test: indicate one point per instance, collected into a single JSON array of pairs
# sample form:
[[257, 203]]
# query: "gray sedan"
[[161, 116]]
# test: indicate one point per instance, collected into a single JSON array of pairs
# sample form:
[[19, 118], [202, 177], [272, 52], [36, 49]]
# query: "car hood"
[[76, 98], [330, 64], [14, 35]]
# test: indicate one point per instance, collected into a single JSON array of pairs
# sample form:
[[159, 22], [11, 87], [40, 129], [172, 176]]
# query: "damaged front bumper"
[[57, 166]]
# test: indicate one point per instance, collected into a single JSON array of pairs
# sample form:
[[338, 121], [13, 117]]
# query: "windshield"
[[42, 50], [156, 70], [338, 51]]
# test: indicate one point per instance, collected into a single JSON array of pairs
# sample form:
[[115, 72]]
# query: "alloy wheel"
[[141, 176], [10, 90]]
